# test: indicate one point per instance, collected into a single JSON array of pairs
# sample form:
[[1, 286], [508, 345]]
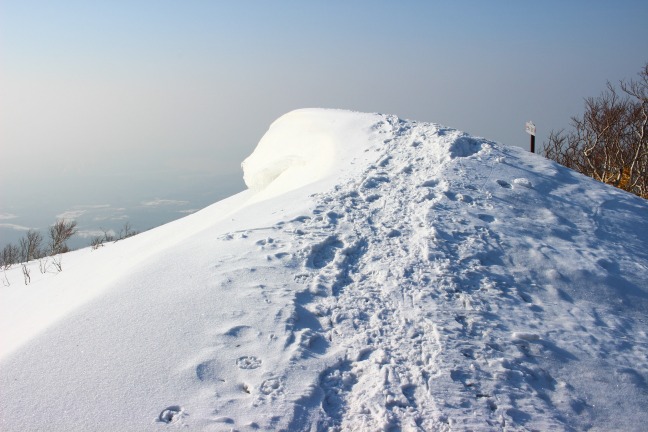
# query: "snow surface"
[[380, 274]]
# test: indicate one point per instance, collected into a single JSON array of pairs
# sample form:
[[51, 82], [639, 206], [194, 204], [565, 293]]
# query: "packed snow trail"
[[448, 293], [399, 276]]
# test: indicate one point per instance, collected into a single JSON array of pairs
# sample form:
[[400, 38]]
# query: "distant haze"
[[117, 104]]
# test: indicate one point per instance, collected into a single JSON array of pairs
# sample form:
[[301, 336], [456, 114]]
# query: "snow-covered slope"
[[380, 274]]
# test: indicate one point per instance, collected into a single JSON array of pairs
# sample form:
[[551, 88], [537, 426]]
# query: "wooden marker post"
[[530, 129]]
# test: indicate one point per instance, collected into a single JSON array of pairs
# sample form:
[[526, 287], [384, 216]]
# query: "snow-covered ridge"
[[383, 275], [307, 145]]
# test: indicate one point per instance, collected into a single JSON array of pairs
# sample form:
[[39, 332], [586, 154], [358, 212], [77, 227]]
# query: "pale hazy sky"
[[144, 94]]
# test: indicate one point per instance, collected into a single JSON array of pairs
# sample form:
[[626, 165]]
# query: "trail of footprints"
[[399, 323], [254, 380]]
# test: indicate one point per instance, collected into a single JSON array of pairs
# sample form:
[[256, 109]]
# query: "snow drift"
[[380, 274], [305, 146]]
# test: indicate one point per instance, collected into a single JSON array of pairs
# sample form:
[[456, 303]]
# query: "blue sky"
[[140, 100]]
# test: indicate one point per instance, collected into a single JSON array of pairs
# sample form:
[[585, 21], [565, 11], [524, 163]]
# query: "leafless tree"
[[26, 272], [609, 142], [96, 242], [43, 264], [30, 246], [638, 170], [127, 231], [99, 241], [58, 262], [108, 235], [59, 234], [10, 256]]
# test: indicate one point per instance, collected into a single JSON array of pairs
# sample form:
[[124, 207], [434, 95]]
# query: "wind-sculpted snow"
[[304, 146], [425, 281]]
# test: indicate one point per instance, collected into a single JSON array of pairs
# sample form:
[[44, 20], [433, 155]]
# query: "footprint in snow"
[[171, 414], [223, 419], [270, 386], [265, 242], [504, 184], [300, 219], [243, 332], [383, 163], [321, 254], [486, 218], [451, 195], [430, 183], [374, 182], [393, 233], [208, 371], [248, 362], [407, 169], [333, 217], [464, 198]]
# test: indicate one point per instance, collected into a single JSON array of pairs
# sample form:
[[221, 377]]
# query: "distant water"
[[108, 203]]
